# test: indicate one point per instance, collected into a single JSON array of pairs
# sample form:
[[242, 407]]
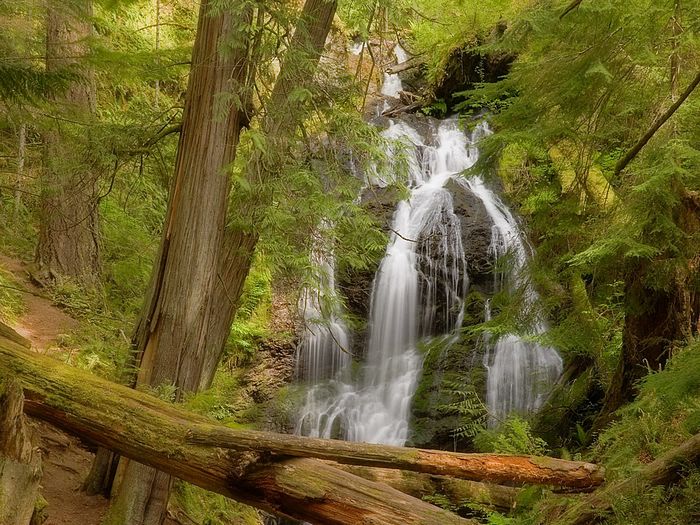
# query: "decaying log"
[[662, 471], [9, 333], [407, 108], [20, 459], [153, 432], [494, 468], [405, 66], [456, 491]]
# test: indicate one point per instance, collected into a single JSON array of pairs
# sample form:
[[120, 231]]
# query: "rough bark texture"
[[153, 432], [173, 339], [20, 459], [69, 227], [495, 468], [662, 471], [457, 491]]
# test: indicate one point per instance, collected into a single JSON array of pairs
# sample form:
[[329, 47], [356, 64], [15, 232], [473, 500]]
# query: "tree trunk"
[[172, 339], [20, 459], [495, 468], [153, 432], [19, 181], [282, 118], [654, 321], [457, 491], [69, 227]]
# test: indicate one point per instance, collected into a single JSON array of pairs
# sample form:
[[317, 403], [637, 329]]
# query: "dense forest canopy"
[[199, 200]]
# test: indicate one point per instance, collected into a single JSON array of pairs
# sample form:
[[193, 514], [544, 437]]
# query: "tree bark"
[[153, 432], [69, 243], [20, 459], [662, 471], [282, 117], [457, 491], [19, 181], [172, 340], [494, 468]]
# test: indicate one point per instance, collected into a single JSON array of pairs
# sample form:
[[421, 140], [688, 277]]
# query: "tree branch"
[[631, 154]]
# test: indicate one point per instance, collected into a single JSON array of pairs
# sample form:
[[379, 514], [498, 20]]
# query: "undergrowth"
[[11, 304]]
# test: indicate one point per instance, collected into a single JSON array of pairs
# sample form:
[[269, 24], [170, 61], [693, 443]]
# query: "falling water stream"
[[420, 284]]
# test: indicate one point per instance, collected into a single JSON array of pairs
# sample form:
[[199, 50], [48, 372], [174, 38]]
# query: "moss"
[[11, 304], [41, 513], [447, 364], [212, 509]]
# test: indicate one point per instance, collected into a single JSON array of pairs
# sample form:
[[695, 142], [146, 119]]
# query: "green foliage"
[[513, 436], [468, 407], [11, 303], [216, 402], [250, 324], [442, 27], [209, 508]]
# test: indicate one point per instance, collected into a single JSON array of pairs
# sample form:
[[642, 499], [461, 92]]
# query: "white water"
[[391, 86], [420, 284], [417, 284], [520, 374], [325, 348]]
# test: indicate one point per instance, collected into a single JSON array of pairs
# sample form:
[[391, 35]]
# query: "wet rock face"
[[476, 236]]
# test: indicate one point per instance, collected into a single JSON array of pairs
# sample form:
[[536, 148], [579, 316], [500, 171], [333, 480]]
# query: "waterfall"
[[325, 348], [418, 292], [520, 374], [421, 282]]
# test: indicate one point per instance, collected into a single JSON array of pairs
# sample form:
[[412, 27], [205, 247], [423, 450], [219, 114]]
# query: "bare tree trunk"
[[19, 181], [172, 339], [69, 227], [20, 459], [283, 116]]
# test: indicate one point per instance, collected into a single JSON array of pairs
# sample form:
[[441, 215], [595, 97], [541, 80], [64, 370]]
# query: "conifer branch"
[[631, 154]]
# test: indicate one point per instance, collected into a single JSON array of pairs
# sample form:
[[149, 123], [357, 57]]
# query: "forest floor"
[[66, 461]]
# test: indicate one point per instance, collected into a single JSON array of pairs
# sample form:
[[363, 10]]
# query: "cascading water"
[[520, 374], [420, 285], [424, 261]]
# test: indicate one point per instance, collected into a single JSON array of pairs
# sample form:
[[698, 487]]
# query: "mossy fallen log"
[[457, 491], [153, 432], [254, 467], [493, 468]]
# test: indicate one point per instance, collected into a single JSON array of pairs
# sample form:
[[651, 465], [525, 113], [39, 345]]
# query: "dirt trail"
[[42, 322], [66, 462]]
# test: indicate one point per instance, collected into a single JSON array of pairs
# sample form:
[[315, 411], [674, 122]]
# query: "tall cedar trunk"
[[172, 338], [282, 118], [69, 227], [239, 245]]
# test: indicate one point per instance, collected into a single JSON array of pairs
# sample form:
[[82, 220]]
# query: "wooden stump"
[[20, 459]]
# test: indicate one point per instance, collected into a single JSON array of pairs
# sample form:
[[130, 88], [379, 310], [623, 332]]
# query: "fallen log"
[[20, 459], [494, 468], [9, 333], [153, 432], [456, 491], [662, 471], [405, 66]]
